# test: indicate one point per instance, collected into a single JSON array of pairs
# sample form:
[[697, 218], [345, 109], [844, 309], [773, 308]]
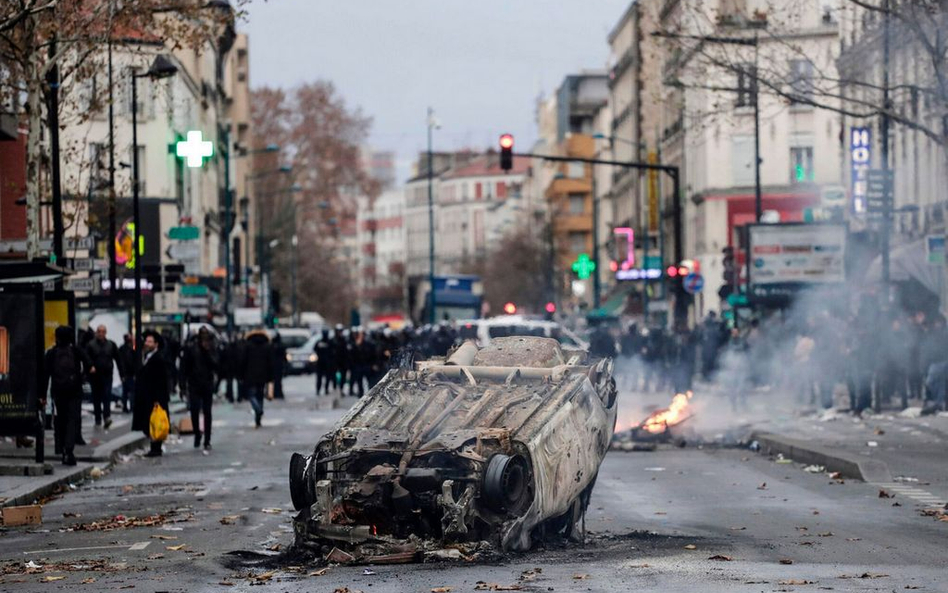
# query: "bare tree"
[[515, 271], [320, 136], [51, 43]]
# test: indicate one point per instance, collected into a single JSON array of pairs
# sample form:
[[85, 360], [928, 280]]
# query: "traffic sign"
[[80, 284], [878, 188], [184, 251], [693, 283], [194, 290], [184, 233]]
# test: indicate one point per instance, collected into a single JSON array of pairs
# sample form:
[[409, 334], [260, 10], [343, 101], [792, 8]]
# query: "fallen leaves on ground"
[[442, 589], [865, 575], [794, 582], [50, 579], [785, 561], [319, 573], [884, 494], [853, 539], [121, 522], [229, 519], [87, 581], [737, 528], [272, 511], [164, 537], [826, 534], [937, 514], [177, 548], [346, 590], [691, 547], [226, 583], [531, 574], [762, 486], [720, 557], [155, 556], [264, 577], [580, 576], [482, 586]]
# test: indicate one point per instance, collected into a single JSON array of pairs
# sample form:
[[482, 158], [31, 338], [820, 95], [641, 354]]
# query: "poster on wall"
[[21, 352], [785, 258], [59, 308]]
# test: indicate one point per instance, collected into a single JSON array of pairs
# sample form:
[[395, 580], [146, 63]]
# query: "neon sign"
[[629, 234], [860, 153]]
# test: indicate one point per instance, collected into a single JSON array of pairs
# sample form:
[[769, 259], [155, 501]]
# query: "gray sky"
[[479, 63]]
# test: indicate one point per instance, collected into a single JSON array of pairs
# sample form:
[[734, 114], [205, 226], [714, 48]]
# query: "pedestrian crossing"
[[915, 493]]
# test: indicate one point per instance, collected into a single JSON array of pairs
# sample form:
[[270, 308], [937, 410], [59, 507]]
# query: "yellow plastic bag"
[[158, 425]]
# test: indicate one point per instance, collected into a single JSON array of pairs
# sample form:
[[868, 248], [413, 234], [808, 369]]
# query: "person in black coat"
[[102, 352], [200, 368], [256, 367], [325, 366], [151, 387], [65, 365]]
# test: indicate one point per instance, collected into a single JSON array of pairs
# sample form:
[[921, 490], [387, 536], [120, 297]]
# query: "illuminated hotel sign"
[[860, 152], [639, 274]]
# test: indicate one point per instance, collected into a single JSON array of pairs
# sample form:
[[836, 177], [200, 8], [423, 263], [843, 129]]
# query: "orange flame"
[[659, 421]]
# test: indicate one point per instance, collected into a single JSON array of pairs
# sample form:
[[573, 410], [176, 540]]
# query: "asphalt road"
[[655, 521]]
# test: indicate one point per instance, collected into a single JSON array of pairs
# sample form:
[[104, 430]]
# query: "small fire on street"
[[676, 413]]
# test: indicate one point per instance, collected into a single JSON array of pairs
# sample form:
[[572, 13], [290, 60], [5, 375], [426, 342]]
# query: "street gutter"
[[848, 465]]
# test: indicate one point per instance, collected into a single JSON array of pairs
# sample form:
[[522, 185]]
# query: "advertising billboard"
[[787, 257], [21, 351]]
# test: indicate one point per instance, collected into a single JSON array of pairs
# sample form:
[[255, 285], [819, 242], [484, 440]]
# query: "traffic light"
[[510, 308], [551, 307], [506, 151]]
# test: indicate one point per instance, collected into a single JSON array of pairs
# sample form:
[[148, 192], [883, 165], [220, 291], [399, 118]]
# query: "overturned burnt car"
[[499, 444]]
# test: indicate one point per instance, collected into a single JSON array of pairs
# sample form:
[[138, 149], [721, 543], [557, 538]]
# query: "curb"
[[848, 466], [27, 493]]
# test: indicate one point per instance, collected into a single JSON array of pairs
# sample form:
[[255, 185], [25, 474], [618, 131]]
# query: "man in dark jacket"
[[200, 368], [129, 366], [151, 387], [324, 363], [65, 365], [278, 350], [102, 352], [256, 366]]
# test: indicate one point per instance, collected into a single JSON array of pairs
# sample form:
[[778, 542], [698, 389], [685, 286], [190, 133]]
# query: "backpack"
[[64, 374]]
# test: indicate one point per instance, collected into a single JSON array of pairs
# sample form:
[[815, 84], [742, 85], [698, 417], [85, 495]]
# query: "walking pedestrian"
[[256, 366], [130, 365], [324, 363], [65, 365], [200, 368], [102, 352], [151, 387], [341, 358], [278, 351]]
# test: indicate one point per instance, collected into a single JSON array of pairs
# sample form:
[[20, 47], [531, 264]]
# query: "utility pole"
[[52, 115], [884, 124], [110, 240], [597, 281], [758, 199], [431, 230]]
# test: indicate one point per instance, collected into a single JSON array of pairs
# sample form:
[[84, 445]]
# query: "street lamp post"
[[293, 272], [432, 125], [160, 68]]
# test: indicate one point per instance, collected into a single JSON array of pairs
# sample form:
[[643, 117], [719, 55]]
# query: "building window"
[[742, 160], [801, 164], [577, 242], [142, 170], [577, 203], [575, 170], [746, 85], [801, 80]]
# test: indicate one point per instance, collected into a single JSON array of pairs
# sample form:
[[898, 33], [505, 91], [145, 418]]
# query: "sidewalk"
[[901, 452], [22, 480]]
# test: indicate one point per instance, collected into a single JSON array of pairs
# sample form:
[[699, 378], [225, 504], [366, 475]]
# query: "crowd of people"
[[872, 357], [251, 368]]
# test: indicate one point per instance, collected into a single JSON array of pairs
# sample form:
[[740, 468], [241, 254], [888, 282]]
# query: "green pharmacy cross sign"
[[583, 266], [195, 149]]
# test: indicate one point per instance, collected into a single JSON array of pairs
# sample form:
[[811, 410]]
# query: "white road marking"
[[135, 546]]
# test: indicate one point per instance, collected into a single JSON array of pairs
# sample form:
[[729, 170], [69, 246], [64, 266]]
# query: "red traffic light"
[[506, 141], [510, 308], [551, 307], [672, 271]]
